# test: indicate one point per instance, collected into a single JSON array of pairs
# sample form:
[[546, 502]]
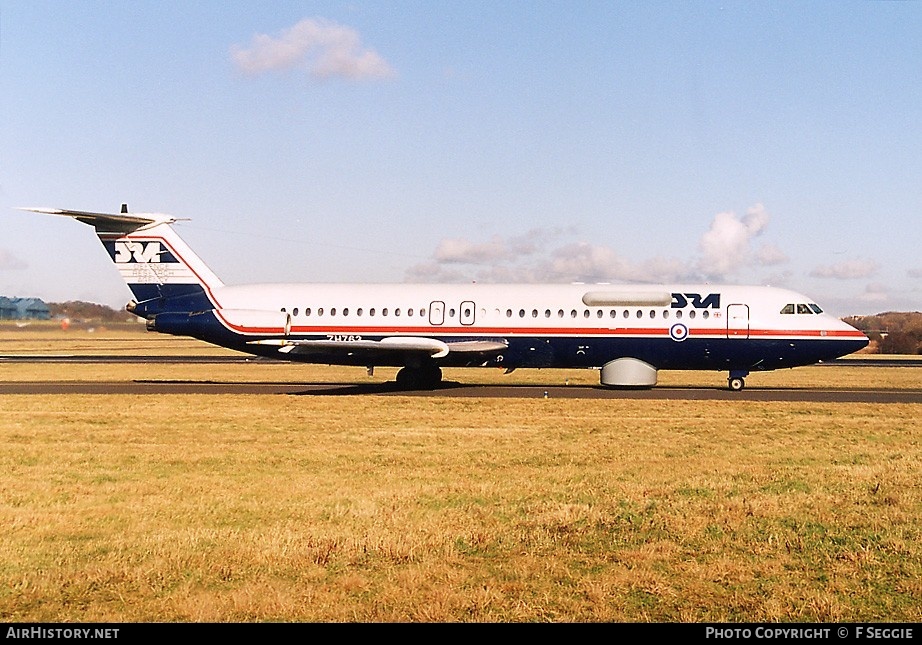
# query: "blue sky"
[[749, 143]]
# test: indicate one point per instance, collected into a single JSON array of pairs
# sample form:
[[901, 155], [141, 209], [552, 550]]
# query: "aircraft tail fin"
[[163, 273]]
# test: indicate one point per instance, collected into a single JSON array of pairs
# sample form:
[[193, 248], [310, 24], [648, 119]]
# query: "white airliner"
[[627, 332]]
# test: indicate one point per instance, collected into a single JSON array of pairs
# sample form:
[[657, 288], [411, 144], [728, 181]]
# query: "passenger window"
[[319, 311], [409, 312], [534, 313], [788, 309], [397, 311], [691, 314], [283, 309], [678, 314], [598, 314], [652, 314], [371, 312], [705, 314], [451, 312], [626, 314], [307, 311], [332, 311], [547, 313], [639, 313], [294, 312], [346, 311], [358, 312], [521, 313], [560, 313], [585, 313], [573, 313], [384, 311], [665, 313]]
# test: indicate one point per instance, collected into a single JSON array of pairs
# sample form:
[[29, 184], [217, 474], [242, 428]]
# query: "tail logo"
[[140, 252]]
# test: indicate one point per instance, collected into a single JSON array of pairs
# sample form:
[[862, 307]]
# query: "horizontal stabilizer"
[[109, 222]]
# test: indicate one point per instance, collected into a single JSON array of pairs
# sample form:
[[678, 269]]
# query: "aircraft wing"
[[387, 347]]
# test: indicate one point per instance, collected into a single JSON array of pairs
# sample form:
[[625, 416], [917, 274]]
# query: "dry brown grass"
[[240, 508], [297, 508], [117, 340]]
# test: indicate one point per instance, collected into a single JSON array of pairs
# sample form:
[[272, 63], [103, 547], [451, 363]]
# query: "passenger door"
[[737, 321]]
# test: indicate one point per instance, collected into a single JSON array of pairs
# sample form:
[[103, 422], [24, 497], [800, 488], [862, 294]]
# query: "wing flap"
[[386, 346], [478, 346]]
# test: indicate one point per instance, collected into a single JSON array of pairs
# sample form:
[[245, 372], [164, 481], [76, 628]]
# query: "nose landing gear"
[[737, 380]]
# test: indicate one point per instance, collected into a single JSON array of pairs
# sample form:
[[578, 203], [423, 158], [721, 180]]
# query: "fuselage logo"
[[696, 300]]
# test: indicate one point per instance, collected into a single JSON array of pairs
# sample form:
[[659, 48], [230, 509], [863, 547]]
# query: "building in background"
[[23, 309]]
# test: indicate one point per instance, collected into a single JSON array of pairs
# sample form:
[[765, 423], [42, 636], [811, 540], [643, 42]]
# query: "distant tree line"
[[88, 311], [893, 332]]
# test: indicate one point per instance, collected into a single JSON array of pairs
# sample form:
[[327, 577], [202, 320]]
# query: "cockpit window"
[[816, 309], [803, 309], [788, 309]]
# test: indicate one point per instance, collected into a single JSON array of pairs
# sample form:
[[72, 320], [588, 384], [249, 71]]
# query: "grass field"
[[291, 508]]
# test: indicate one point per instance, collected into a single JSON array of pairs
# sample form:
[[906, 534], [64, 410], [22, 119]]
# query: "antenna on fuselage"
[[125, 209]]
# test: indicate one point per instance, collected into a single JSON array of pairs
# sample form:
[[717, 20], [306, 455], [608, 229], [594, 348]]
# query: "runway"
[[755, 393], [448, 388], [877, 361]]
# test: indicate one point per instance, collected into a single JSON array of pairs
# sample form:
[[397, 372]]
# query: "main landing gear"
[[737, 380], [425, 377]]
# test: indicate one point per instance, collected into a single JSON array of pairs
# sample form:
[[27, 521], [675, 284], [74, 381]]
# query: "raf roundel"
[[678, 332]]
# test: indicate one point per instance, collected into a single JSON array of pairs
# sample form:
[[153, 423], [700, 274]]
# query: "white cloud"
[[461, 251], [770, 255], [874, 293], [724, 247], [847, 270], [322, 47], [779, 279], [535, 258], [433, 272], [541, 255], [586, 263]]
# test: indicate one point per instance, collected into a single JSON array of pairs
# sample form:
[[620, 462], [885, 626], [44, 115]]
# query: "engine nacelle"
[[628, 372]]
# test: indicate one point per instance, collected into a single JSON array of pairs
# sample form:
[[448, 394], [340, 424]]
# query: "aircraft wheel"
[[431, 377], [736, 383], [419, 378], [408, 379]]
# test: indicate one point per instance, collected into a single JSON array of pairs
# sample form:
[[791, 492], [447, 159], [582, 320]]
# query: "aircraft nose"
[[859, 343], [856, 339]]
